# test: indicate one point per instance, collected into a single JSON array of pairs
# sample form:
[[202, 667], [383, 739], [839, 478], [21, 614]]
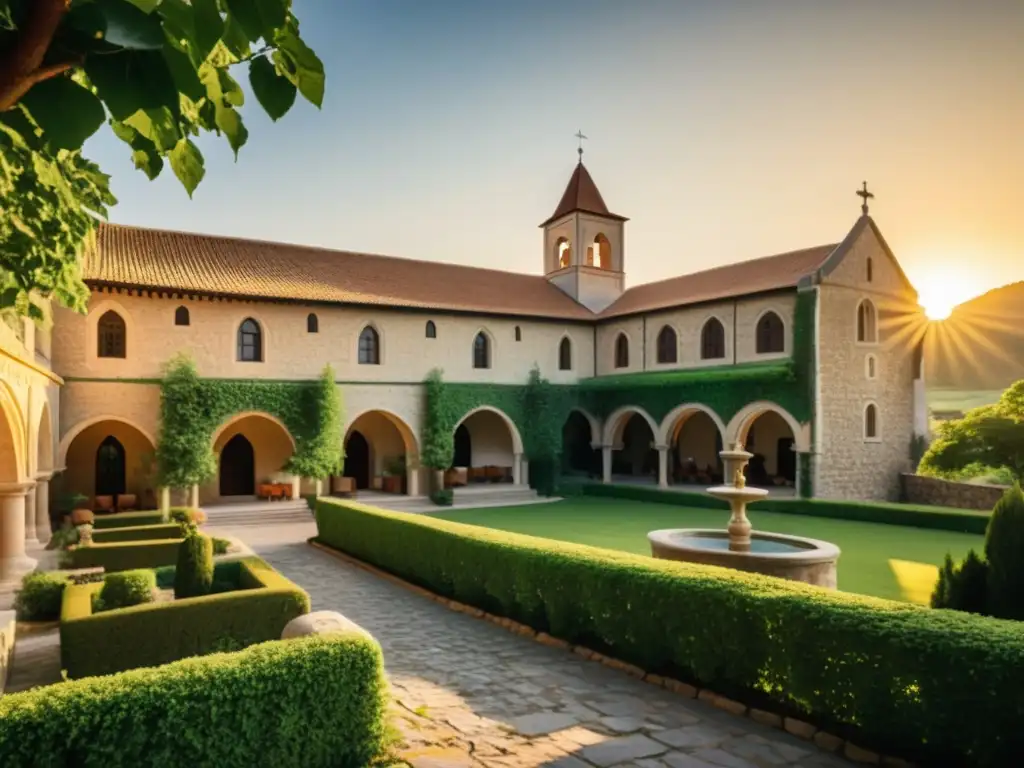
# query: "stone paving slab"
[[468, 693]]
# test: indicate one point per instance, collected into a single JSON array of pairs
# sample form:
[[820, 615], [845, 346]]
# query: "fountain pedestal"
[[738, 547]]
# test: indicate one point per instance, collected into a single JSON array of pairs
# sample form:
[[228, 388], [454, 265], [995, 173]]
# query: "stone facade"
[[849, 463], [933, 491]]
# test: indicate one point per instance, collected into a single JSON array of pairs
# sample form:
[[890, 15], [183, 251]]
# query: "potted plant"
[[394, 475]]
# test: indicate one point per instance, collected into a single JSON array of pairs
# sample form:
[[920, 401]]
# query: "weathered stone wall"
[[850, 464], [934, 491]]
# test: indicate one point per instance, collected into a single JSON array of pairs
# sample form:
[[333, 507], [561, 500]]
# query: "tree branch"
[[22, 66]]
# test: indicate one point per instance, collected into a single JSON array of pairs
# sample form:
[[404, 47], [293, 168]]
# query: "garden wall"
[[919, 489]]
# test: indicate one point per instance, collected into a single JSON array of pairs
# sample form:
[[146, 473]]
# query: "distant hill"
[[998, 316]]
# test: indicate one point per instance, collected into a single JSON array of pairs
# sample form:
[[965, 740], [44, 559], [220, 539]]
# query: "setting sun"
[[942, 288]]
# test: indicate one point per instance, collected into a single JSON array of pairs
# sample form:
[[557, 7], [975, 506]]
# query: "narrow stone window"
[[111, 335], [312, 323], [181, 316], [431, 330]]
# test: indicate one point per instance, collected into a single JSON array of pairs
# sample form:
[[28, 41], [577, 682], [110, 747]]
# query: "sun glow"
[[942, 288]]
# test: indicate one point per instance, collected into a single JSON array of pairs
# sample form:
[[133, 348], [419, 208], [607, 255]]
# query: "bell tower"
[[584, 243]]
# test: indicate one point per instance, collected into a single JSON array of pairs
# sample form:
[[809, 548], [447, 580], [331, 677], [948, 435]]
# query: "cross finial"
[[579, 135], [863, 193]]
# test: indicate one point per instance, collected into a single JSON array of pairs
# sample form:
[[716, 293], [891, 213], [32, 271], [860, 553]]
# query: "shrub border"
[[137, 533], [128, 519], [804, 730], [885, 513]]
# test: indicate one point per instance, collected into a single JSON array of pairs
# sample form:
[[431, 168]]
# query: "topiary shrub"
[[962, 587], [442, 497], [193, 576], [187, 516], [40, 596], [1004, 545], [121, 590]]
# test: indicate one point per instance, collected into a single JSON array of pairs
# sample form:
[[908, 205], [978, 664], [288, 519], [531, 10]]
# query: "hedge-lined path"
[[469, 693]]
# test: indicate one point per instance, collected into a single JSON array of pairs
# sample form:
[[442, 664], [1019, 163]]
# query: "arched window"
[[599, 253], [369, 346], [111, 335], [519, 333], [181, 316], [481, 351], [312, 323], [563, 252], [771, 335], [712, 340], [871, 422], [870, 269], [668, 345], [622, 351], [431, 330], [250, 341], [565, 355], [867, 323], [871, 367]]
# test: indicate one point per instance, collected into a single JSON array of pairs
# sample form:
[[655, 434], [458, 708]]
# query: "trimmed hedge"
[[316, 702], [888, 513], [926, 684], [125, 555], [124, 519], [137, 533], [151, 634], [126, 588], [39, 597]]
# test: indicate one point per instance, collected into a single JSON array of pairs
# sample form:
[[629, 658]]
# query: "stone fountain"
[[773, 554]]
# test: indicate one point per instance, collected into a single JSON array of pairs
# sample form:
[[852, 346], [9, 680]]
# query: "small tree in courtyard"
[[322, 454], [184, 455], [1004, 549]]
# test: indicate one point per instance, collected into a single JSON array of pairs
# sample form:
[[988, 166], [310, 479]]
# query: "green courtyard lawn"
[[882, 560]]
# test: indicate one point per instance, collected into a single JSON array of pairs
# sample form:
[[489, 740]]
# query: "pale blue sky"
[[724, 130]]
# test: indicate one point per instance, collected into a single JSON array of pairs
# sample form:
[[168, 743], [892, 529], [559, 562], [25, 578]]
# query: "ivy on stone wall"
[[438, 447], [191, 409]]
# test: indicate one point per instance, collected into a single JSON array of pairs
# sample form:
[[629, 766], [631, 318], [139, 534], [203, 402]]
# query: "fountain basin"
[[773, 554]]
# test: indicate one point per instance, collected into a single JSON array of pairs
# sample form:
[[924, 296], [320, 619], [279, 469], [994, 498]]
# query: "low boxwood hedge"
[[312, 702], [926, 684], [138, 533], [125, 555], [910, 515], [150, 634], [124, 519]]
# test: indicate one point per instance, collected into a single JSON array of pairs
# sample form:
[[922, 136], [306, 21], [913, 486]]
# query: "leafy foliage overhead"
[[159, 73]]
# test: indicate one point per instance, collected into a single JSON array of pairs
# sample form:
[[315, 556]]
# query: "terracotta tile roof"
[[207, 264], [581, 194], [770, 273]]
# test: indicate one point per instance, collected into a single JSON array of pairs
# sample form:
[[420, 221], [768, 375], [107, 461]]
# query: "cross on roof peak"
[[579, 135], [865, 196]]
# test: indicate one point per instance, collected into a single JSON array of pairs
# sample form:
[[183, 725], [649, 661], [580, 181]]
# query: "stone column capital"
[[661, 448], [44, 477], [16, 489]]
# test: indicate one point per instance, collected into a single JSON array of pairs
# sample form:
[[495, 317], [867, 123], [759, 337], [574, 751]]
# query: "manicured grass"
[[882, 560], [961, 399]]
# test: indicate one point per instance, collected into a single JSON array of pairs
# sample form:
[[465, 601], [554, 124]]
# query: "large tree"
[[991, 436], [158, 73]]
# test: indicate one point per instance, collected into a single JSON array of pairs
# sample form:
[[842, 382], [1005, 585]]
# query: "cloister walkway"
[[468, 693]]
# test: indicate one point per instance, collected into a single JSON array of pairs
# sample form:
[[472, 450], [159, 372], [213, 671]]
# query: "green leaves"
[[158, 125], [229, 121], [297, 62], [275, 93], [187, 164], [67, 113], [127, 26], [133, 80], [259, 18]]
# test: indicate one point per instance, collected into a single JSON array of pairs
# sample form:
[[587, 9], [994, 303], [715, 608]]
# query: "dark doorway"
[[577, 455], [110, 467], [637, 457], [463, 456], [357, 460], [786, 459], [237, 468]]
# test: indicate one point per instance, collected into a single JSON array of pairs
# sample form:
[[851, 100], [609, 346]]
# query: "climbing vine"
[[191, 409]]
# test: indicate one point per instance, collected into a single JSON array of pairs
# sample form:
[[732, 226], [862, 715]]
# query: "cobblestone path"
[[469, 693]]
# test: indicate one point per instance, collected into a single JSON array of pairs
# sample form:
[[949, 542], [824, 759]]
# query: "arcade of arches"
[[381, 454], [684, 449], [111, 458], [251, 449], [488, 447]]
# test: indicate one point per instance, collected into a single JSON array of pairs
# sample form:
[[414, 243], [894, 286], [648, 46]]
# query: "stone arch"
[[616, 422], [79, 453], [682, 412], [739, 425], [271, 444], [517, 440], [404, 430], [44, 439], [12, 437], [595, 425], [562, 253], [599, 252], [77, 429], [237, 417], [387, 437]]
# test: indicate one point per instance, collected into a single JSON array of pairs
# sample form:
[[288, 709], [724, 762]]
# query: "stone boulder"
[[319, 623]]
